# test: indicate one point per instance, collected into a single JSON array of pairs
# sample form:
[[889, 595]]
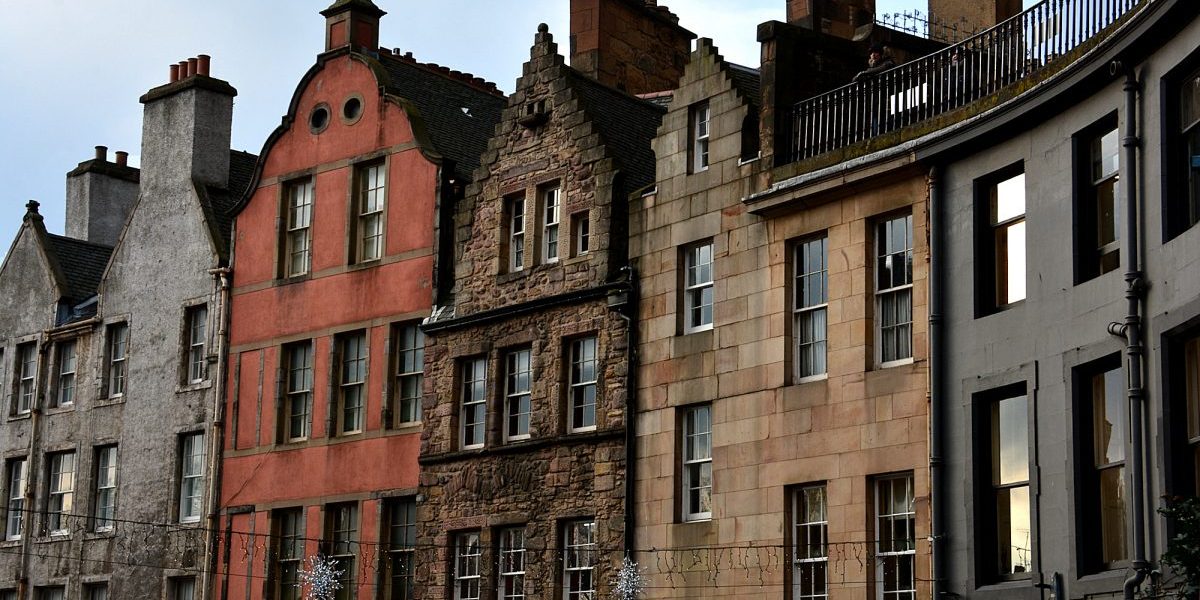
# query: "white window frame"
[[352, 382], [516, 232], [60, 497], [192, 454], [1013, 226], [511, 584], [898, 293], [701, 122], [551, 215], [372, 199], [696, 462], [585, 372], [473, 399], [810, 538], [18, 483], [410, 373], [810, 304], [104, 513], [582, 232], [197, 339], [26, 371], [68, 362], [468, 557], [299, 394], [118, 359], [289, 552], [579, 560], [518, 389], [896, 552], [343, 545], [297, 259], [401, 546], [698, 278]]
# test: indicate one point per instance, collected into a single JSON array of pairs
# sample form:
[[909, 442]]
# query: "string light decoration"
[[320, 576], [630, 583]]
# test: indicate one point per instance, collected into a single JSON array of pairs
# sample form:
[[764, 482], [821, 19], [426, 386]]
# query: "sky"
[[71, 71]]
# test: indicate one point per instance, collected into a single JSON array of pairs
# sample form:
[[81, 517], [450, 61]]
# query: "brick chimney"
[[100, 195], [353, 23], [632, 45], [835, 17], [972, 15], [186, 129]]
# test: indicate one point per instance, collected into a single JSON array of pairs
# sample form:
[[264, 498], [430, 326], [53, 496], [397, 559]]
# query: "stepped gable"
[[219, 203], [459, 111], [82, 264], [626, 123]]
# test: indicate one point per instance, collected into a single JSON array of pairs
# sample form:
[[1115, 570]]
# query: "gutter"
[[936, 392]]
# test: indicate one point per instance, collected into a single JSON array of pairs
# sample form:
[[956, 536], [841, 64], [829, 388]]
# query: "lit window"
[[410, 372], [27, 374], [893, 288], [474, 402], [341, 527], [289, 552], [1006, 218], [191, 477], [579, 560], [467, 555], [118, 348], [352, 384], [17, 482], [516, 233], [582, 230], [895, 552], [517, 404], [298, 241], [402, 542], [66, 374], [810, 533], [1007, 507], [297, 406], [551, 207], [1192, 375], [698, 292], [812, 296], [697, 463], [1108, 431], [583, 384], [105, 510], [512, 563], [197, 363], [1099, 214], [60, 501], [371, 198], [699, 117]]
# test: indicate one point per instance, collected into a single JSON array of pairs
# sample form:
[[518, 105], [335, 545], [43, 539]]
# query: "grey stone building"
[[110, 339]]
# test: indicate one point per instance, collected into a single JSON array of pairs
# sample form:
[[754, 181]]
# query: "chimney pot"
[[203, 63], [183, 74], [102, 153], [174, 73], [122, 158], [191, 66]]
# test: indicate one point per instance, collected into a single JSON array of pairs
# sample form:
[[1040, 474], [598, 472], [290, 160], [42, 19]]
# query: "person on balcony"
[[878, 61]]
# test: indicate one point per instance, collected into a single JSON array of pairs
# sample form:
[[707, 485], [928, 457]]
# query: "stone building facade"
[[108, 438], [782, 418], [334, 269], [523, 457]]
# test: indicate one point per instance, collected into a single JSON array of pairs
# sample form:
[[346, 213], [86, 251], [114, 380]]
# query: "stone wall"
[[631, 45]]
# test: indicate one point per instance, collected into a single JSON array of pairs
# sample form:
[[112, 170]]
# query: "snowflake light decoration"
[[320, 576], [630, 582]]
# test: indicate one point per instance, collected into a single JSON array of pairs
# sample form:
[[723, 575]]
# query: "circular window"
[[319, 119], [352, 109]]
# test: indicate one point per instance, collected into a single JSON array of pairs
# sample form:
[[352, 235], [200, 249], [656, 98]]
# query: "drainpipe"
[[630, 313], [1131, 329], [936, 464], [220, 276]]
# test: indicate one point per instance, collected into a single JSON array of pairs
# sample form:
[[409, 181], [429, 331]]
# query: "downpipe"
[[629, 312], [936, 356], [1131, 330], [221, 277]]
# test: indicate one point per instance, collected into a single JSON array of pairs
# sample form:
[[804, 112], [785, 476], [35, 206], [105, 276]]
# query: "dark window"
[[894, 289], [370, 195], [512, 563], [1102, 429], [750, 139], [352, 382], [896, 544], [341, 535], [1000, 240], [1004, 531], [26, 376], [298, 386], [195, 364], [118, 355], [810, 320], [401, 537], [518, 407], [1098, 206], [297, 237], [582, 395], [699, 120], [810, 534], [67, 359], [1182, 157], [409, 361], [468, 556], [289, 552], [696, 463], [473, 399]]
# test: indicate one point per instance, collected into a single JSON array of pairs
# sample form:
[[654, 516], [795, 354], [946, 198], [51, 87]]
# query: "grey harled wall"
[[99, 198], [1058, 327]]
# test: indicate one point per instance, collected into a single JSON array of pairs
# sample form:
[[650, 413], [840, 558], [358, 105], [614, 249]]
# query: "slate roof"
[[459, 135], [626, 123], [747, 82], [218, 203], [82, 264]]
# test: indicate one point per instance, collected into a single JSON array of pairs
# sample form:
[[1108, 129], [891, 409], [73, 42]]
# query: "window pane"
[[1109, 417], [1192, 369], [1112, 514], [1010, 435], [1014, 536]]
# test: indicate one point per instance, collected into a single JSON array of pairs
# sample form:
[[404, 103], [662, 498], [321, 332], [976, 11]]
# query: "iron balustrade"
[[927, 87]]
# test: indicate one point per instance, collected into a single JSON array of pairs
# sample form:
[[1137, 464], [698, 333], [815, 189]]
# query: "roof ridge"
[[454, 75], [64, 238]]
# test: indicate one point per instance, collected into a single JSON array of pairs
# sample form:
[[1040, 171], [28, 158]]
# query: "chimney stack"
[[100, 195], [353, 23], [972, 15], [632, 45]]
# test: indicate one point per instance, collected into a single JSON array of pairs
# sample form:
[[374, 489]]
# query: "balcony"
[[947, 86]]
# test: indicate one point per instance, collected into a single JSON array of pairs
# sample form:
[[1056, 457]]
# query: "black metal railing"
[[925, 26], [927, 87]]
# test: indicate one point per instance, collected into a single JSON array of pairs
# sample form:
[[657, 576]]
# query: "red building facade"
[[335, 261]]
